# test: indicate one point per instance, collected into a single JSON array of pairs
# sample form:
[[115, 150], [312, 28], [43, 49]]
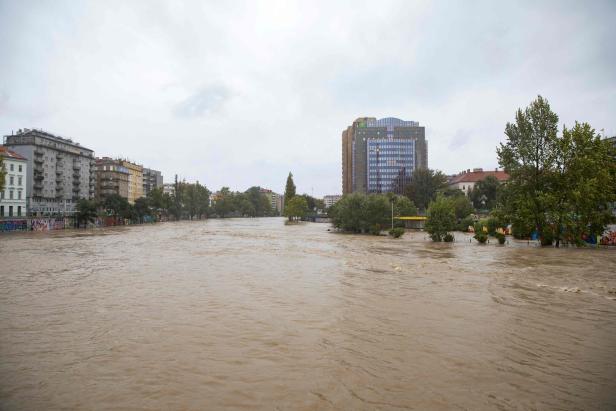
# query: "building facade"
[[152, 179], [111, 178], [13, 197], [169, 188], [467, 179], [135, 180], [275, 199], [379, 156], [60, 171], [330, 200]]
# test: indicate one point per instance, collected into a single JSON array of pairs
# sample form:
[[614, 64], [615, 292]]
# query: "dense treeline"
[[190, 201]]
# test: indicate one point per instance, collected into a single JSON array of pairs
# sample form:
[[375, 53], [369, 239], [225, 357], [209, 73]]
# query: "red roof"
[[475, 176], [5, 152]]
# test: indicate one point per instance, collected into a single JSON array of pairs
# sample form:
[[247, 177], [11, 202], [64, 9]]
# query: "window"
[[10, 194], [19, 210], [10, 211], [19, 168], [19, 195], [11, 179], [12, 167], [19, 179], [1, 211]]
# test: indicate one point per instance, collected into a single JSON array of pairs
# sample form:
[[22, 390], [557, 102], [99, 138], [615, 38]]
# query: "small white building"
[[467, 179], [331, 199], [13, 198]]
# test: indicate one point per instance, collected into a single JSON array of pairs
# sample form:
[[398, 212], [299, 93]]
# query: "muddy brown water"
[[252, 314]]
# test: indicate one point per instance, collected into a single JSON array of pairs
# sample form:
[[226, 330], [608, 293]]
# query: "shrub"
[[465, 223], [396, 232], [500, 237], [480, 236], [441, 218], [448, 238]]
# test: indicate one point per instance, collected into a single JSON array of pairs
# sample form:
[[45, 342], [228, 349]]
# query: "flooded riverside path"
[[249, 313]]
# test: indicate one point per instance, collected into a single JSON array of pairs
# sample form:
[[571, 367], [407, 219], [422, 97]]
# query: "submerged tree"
[[289, 191], [297, 207], [441, 218], [86, 211]]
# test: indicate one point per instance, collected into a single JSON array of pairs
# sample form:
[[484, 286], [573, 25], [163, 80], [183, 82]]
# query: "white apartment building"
[[332, 199], [13, 197]]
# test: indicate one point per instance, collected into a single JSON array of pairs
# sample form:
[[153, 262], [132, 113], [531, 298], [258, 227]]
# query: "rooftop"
[[478, 174], [5, 152]]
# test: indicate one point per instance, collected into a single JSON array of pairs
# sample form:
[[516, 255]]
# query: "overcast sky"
[[240, 93]]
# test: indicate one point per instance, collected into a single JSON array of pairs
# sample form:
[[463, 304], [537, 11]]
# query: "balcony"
[[76, 183], [76, 166], [59, 181], [58, 172], [60, 164], [38, 160], [38, 152], [38, 177], [38, 186]]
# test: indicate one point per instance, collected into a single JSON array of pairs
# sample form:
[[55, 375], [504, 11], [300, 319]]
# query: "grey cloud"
[[204, 102]]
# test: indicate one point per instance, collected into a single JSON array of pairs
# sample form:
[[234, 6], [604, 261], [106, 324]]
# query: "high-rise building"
[[60, 171], [13, 197], [379, 156], [111, 178], [151, 179], [135, 180]]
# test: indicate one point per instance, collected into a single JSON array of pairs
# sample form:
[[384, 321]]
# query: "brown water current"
[[253, 314]]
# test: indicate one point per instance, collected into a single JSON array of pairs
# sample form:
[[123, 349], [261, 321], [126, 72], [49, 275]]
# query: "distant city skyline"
[[239, 95]]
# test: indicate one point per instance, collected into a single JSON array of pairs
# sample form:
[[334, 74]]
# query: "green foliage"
[[142, 207], [560, 187], [117, 206], [289, 191], [465, 223], [86, 211], [424, 186], [484, 195], [500, 237], [359, 213], [396, 232], [481, 236], [297, 207], [448, 238], [441, 218], [462, 206]]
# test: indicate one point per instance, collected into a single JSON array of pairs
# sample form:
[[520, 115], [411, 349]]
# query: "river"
[[253, 314]]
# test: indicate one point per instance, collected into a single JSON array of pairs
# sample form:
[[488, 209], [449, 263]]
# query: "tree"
[[582, 184], [86, 211], [117, 205], [142, 207], [347, 214], [289, 191], [404, 207], [529, 156], [462, 206], [224, 202], [2, 174], [424, 185], [377, 213], [484, 194], [441, 218], [297, 207]]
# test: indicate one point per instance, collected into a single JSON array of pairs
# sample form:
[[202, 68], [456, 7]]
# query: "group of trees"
[[298, 206], [560, 186], [251, 203], [360, 213]]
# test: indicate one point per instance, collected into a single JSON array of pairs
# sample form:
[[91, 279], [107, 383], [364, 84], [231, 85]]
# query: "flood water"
[[253, 314]]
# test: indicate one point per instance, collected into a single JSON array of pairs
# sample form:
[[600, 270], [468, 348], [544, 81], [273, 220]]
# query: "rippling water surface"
[[249, 313]]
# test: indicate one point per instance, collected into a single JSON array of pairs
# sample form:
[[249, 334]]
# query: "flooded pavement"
[[249, 313]]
